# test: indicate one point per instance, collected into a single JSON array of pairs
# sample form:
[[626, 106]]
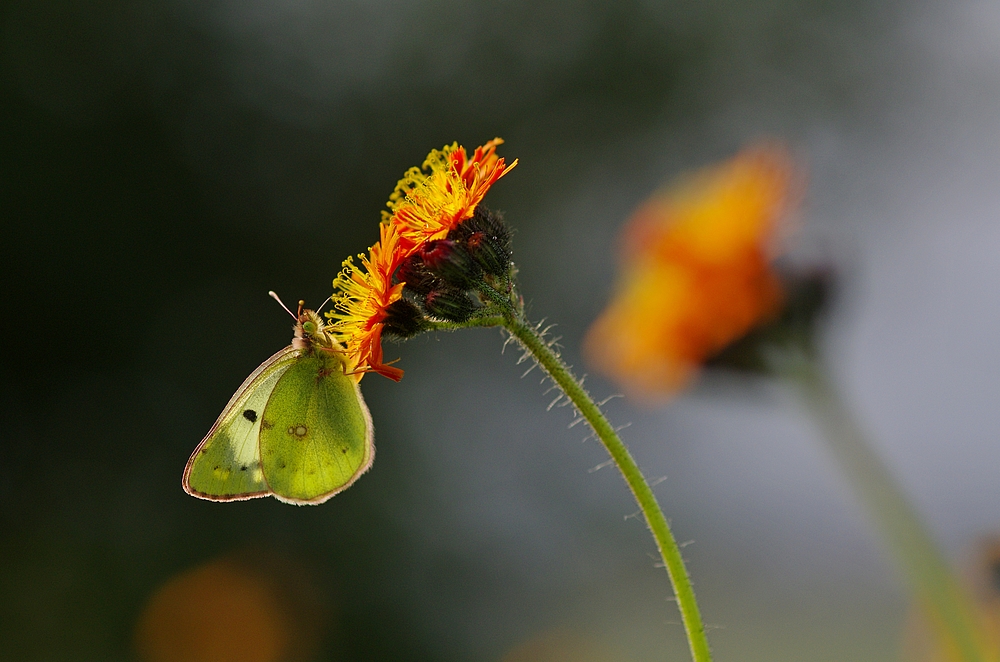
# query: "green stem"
[[472, 322], [912, 545], [672, 560], [501, 311]]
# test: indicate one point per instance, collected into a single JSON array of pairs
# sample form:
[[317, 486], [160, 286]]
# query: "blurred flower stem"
[[533, 341], [910, 543]]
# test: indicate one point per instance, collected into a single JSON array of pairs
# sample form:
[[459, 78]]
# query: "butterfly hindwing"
[[316, 434], [226, 465]]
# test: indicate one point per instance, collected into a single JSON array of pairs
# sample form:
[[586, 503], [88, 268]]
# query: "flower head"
[[360, 307], [696, 272], [432, 200], [427, 204]]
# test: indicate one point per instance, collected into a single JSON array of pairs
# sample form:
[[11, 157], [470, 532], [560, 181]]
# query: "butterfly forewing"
[[316, 434], [226, 464]]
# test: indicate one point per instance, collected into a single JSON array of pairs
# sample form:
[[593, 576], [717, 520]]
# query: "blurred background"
[[165, 163]]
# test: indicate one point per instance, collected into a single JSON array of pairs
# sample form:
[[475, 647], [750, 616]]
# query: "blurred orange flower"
[[238, 608], [696, 272]]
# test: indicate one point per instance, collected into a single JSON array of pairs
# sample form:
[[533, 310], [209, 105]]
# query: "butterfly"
[[297, 429]]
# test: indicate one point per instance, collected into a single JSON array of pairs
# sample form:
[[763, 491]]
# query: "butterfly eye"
[[309, 328]]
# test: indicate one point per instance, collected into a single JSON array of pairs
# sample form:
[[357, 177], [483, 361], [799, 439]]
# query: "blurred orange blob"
[[695, 272], [223, 611], [561, 645]]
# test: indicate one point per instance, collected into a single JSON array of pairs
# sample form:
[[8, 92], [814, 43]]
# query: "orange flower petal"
[[431, 200], [365, 293]]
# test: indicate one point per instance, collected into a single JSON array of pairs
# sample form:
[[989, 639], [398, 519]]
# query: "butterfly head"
[[310, 331]]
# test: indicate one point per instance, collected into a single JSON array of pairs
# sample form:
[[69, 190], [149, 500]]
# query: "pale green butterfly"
[[297, 429]]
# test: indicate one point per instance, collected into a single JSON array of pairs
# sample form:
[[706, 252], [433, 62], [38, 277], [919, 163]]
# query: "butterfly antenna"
[[326, 301], [282, 304]]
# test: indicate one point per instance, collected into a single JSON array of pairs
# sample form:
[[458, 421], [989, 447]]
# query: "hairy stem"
[[672, 560], [910, 543]]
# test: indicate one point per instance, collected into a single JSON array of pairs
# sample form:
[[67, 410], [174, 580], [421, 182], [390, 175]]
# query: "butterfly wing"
[[316, 436], [226, 464]]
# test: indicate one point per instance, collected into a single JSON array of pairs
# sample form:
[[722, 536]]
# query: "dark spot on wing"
[[344, 451], [243, 468], [250, 415]]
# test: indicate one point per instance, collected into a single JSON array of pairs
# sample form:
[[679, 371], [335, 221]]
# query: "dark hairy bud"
[[487, 239], [449, 303], [403, 319], [415, 274], [449, 261]]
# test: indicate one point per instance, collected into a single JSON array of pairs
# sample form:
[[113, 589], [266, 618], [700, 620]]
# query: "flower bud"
[[487, 239], [450, 262], [403, 319], [414, 273], [489, 254], [450, 303]]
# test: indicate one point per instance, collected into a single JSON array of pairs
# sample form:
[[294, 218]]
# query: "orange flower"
[[428, 202], [696, 272], [360, 307], [431, 200]]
